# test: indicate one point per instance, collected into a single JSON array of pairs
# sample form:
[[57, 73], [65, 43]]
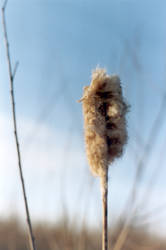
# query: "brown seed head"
[[104, 112]]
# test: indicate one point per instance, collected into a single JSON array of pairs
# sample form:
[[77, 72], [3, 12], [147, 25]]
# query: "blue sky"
[[58, 43]]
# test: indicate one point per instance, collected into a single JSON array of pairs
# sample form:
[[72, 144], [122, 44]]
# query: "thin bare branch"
[[11, 76], [121, 239], [15, 69], [4, 5]]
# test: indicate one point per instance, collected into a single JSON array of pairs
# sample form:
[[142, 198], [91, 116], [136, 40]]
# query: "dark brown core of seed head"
[[111, 125], [104, 95], [113, 141], [103, 109]]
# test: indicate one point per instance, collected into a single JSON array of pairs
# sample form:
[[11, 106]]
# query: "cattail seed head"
[[104, 112]]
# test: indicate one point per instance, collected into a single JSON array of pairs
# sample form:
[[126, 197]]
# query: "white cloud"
[[46, 166]]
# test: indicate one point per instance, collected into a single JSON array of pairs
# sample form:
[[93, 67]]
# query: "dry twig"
[[12, 76]]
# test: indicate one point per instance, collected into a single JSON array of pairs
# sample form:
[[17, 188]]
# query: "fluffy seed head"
[[104, 112]]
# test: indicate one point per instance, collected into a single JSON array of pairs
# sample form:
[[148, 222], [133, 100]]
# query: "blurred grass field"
[[62, 236]]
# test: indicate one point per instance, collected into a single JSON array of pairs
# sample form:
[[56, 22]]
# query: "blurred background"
[[58, 43]]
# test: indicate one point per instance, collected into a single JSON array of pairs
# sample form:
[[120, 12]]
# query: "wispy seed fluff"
[[104, 112]]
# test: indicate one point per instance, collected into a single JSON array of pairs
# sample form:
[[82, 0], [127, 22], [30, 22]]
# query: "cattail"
[[104, 112]]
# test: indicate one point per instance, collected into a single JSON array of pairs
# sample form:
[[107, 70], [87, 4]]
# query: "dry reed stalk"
[[11, 76], [104, 112]]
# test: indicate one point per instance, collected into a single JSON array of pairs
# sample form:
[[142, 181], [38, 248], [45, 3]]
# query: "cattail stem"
[[104, 192], [104, 111]]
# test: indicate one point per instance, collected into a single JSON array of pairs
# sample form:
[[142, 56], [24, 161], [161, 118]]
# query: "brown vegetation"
[[64, 237]]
